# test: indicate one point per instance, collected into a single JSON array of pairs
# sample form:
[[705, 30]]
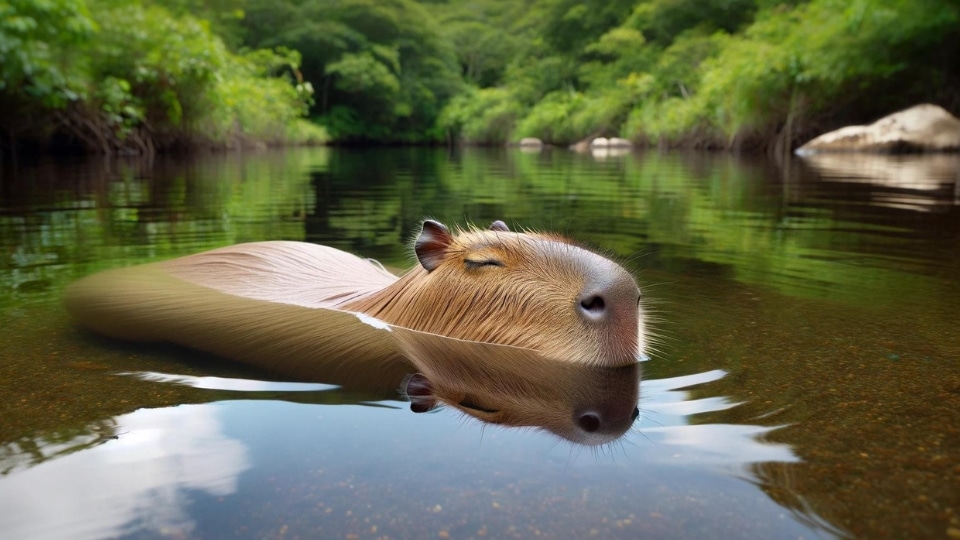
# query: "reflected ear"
[[432, 244], [420, 391], [499, 226]]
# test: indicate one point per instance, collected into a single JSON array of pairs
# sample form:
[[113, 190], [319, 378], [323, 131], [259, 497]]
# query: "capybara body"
[[529, 290]]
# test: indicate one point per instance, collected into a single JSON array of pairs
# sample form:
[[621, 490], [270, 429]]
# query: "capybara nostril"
[[593, 305], [589, 422], [635, 414]]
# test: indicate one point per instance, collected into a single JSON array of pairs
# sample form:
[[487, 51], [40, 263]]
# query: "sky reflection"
[[164, 467], [134, 481], [668, 421]]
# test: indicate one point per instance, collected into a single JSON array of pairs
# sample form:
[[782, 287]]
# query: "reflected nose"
[[606, 419], [589, 422]]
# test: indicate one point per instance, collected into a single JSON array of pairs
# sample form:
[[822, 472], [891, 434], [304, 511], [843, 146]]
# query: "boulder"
[[530, 142], [922, 128], [600, 142]]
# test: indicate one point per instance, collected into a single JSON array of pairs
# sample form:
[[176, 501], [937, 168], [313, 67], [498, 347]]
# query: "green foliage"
[[142, 78], [481, 115], [224, 17], [363, 73], [170, 62], [38, 41], [550, 118], [725, 72], [815, 58], [662, 21], [483, 49], [569, 26], [381, 69], [304, 132], [249, 103], [174, 73]]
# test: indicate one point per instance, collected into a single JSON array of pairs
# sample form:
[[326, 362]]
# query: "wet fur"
[[291, 307], [526, 301], [518, 387]]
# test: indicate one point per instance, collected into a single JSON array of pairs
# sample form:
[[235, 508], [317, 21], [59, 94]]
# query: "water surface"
[[804, 381]]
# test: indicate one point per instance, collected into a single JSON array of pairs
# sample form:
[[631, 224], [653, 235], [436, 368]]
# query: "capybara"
[[528, 290]]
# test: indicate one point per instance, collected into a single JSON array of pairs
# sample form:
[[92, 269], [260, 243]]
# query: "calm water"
[[805, 381]]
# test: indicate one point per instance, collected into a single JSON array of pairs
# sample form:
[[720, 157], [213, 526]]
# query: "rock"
[[600, 142], [605, 152], [582, 146], [923, 128], [530, 142]]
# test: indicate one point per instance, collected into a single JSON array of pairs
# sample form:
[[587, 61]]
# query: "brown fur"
[[528, 299], [511, 386], [147, 303]]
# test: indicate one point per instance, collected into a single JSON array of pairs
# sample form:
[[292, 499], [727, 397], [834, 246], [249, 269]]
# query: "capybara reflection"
[[529, 290], [510, 386]]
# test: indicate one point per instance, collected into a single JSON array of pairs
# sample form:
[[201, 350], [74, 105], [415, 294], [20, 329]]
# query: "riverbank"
[[742, 75], [132, 78]]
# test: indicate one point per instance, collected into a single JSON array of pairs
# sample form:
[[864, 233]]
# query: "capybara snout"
[[609, 303], [609, 292]]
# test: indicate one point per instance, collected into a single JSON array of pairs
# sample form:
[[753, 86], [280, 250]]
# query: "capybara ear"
[[419, 407], [420, 391], [432, 244], [499, 226]]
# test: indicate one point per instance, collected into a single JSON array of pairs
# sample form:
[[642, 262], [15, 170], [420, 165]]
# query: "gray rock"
[[617, 142], [922, 128], [600, 142]]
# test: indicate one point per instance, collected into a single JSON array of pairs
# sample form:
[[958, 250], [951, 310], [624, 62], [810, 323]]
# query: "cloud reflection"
[[132, 482], [666, 420], [232, 384]]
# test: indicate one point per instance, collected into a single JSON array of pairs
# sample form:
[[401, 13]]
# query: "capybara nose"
[[593, 306], [612, 294]]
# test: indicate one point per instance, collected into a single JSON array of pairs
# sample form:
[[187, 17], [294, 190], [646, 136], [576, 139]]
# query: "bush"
[[142, 79], [481, 116]]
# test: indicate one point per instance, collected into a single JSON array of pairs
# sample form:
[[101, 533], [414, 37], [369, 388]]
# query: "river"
[[803, 379]]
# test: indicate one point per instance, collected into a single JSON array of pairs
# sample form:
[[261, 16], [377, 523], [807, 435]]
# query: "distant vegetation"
[[115, 75], [119, 76]]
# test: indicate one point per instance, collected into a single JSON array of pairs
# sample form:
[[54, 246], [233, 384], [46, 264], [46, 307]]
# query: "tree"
[[381, 70]]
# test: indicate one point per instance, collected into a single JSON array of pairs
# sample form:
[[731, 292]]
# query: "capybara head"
[[530, 290]]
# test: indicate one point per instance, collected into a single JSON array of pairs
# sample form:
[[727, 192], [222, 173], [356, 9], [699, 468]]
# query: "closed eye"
[[481, 263], [467, 404]]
